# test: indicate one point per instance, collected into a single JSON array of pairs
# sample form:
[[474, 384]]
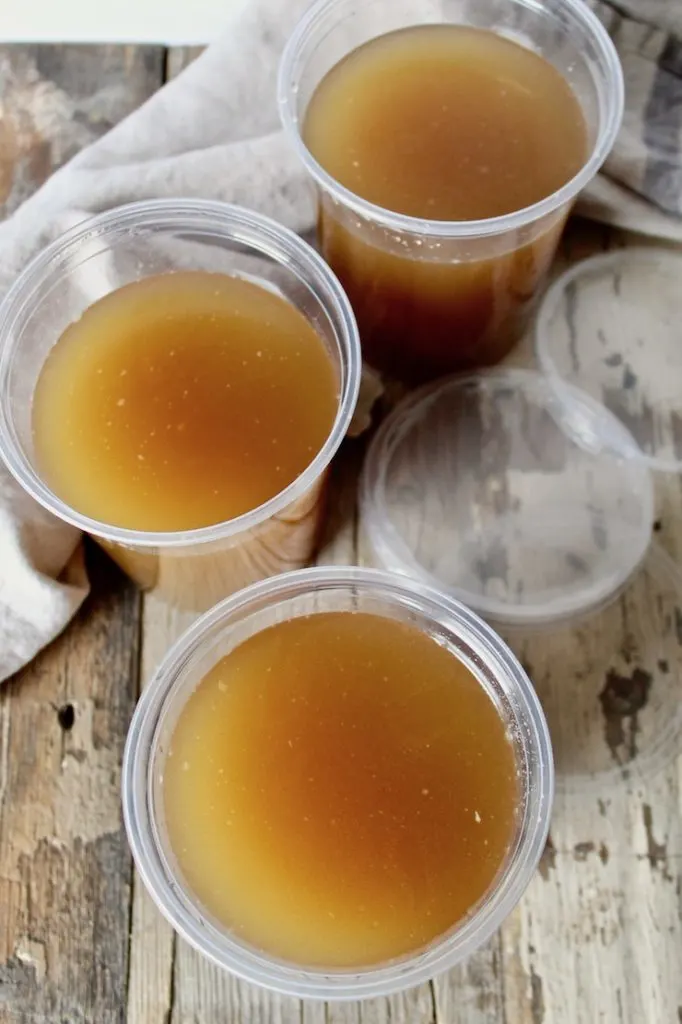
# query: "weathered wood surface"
[[65, 870], [598, 936], [54, 100]]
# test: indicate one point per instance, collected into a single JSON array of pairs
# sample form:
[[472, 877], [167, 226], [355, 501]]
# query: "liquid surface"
[[448, 123], [340, 790], [181, 401]]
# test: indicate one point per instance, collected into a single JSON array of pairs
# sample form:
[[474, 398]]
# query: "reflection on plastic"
[[475, 485]]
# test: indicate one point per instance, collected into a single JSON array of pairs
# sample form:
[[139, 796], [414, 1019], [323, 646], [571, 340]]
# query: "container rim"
[[220, 220], [623, 441], [392, 551], [248, 963], [314, 21]]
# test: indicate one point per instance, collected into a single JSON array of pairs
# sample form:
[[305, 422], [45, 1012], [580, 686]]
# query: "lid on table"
[[612, 326], [492, 489]]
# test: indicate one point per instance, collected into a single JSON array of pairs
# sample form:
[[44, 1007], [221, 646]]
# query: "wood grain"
[[598, 934], [597, 937], [65, 870], [64, 865], [54, 100], [153, 945], [178, 58]]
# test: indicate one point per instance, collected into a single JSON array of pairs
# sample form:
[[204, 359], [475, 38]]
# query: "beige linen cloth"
[[213, 132]]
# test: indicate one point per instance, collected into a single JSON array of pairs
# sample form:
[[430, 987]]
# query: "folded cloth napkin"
[[213, 132]]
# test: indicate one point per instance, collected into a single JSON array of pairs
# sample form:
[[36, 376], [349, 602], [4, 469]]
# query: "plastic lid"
[[609, 684], [476, 486], [612, 325]]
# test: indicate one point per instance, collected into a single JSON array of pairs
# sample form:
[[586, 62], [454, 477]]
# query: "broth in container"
[[176, 377], [338, 783], [340, 790], [447, 154]]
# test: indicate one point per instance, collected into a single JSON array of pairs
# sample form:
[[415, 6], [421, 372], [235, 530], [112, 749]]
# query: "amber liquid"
[[445, 123], [340, 790], [181, 401]]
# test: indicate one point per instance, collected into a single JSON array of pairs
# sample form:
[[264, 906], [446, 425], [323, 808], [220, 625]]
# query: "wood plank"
[[179, 57], [598, 934], [472, 992], [153, 945], [64, 864], [54, 100], [151, 997]]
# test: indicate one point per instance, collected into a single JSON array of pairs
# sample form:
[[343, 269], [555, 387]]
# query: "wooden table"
[[598, 936]]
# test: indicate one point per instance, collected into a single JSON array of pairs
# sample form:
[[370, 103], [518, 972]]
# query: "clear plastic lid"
[[481, 487], [612, 326]]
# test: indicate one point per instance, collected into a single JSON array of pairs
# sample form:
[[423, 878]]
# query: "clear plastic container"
[[193, 568], [486, 274], [475, 485], [302, 593]]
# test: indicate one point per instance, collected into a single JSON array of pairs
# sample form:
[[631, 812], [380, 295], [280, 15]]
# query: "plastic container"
[[611, 326], [193, 568], [476, 486], [303, 593], [499, 262]]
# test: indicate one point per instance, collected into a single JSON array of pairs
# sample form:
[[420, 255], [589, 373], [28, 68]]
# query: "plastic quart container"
[[305, 593], [394, 266], [192, 568]]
